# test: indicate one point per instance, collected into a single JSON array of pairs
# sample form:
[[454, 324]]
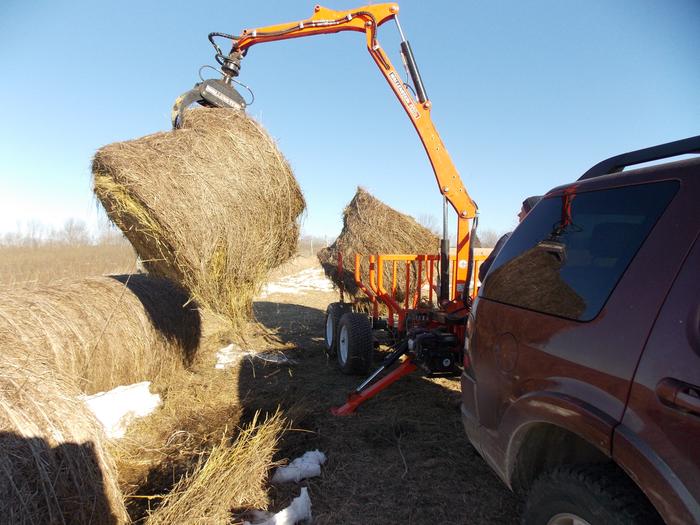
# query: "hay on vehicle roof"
[[370, 227], [53, 466], [213, 206], [104, 331]]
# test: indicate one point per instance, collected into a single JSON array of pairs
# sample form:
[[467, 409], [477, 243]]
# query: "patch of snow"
[[307, 466], [229, 357], [298, 510], [309, 280], [116, 409]]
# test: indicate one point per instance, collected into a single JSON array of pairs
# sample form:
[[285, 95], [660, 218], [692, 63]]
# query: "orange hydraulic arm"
[[367, 19]]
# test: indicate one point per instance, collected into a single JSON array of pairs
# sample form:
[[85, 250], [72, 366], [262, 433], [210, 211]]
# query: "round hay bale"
[[105, 331], [370, 227], [53, 466], [213, 206]]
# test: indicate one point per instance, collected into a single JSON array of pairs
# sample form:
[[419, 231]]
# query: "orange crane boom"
[[367, 19]]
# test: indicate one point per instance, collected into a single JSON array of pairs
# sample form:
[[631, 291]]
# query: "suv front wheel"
[[587, 495]]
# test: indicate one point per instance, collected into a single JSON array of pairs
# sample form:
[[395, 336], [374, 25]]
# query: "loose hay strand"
[[231, 476], [197, 409]]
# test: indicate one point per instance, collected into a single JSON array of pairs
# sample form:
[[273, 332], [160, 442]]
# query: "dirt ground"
[[403, 458]]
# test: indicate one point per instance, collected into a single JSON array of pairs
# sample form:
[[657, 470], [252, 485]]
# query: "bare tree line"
[[485, 238], [311, 244], [73, 232]]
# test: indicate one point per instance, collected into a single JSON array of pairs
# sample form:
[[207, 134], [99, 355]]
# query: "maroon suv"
[[581, 384]]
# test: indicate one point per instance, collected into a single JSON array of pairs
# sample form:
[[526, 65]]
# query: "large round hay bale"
[[213, 206], [53, 466], [104, 331], [370, 227]]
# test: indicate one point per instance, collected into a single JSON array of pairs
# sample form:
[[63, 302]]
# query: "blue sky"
[[526, 95]]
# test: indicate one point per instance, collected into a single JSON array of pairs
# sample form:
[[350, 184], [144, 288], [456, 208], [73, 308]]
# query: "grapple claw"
[[210, 93]]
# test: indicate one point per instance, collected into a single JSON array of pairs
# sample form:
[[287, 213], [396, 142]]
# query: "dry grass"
[[213, 206], [53, 466], [199, 407], [199, 404], [232, 475], [370, 227], [41, 265], [103, 331]]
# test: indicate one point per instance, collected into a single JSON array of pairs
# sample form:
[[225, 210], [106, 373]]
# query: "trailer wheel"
[[354, 343], [333, 314]]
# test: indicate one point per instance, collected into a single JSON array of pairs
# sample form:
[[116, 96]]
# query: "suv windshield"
[[567, 256]]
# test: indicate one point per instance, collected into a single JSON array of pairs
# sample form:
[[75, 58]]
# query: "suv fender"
[[560, 429], [677, 505]]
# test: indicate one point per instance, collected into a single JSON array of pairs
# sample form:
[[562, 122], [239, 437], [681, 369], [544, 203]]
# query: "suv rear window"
[[569, 268]]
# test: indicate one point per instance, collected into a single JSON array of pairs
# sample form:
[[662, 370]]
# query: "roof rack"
[[663, 151]]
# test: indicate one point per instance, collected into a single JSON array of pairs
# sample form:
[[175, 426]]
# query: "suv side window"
[[568, 264]]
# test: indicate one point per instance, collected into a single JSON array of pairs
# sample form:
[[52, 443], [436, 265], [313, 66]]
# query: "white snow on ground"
[[119, 407], [229, 356], [307, 466], [298, 510], [309, 280]]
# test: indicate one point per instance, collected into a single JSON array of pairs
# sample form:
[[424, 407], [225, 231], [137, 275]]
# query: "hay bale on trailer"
[[53, 466], [103, 331], [213, 206], [371, 227]]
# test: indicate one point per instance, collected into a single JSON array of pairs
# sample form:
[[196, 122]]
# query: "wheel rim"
[[329, 330], [343, 345], [566, 518]]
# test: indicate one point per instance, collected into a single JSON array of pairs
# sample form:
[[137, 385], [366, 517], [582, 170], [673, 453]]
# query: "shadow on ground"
[[403, 458]]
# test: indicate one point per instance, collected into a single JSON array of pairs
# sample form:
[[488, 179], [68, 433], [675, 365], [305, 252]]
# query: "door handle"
[[679, 395]]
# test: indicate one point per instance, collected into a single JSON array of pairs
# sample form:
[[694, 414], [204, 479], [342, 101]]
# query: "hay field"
[[20, 265]]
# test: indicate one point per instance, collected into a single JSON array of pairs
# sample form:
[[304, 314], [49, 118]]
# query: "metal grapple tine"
[[181, 103]]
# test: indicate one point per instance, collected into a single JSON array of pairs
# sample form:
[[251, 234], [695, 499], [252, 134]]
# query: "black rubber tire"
[[599, 494], [355, 336], [333, 314]]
